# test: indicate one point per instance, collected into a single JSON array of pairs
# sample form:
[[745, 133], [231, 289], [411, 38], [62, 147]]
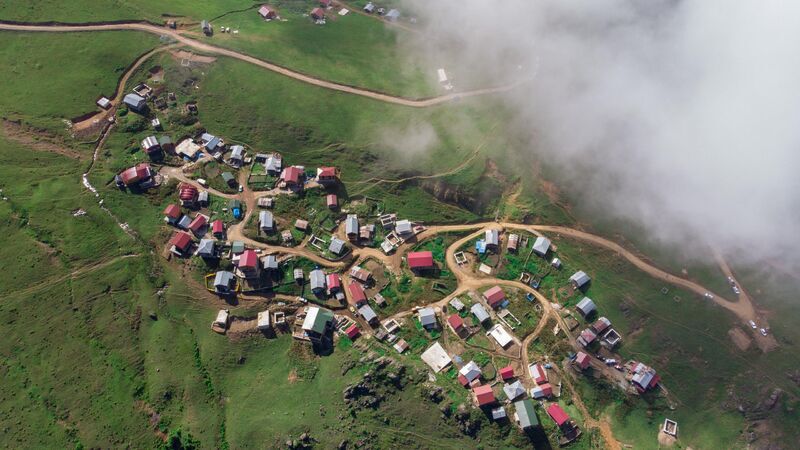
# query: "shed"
[[579, 279], [498, 413], [266, 12], [332, 201], [586, 307], [264, 322], [222, 318], [480, 312]]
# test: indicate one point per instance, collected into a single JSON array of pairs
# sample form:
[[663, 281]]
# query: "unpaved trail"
[[207, 48]]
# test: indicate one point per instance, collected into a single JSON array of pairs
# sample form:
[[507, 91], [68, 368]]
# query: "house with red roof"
[[291, 177], [583, 360], [317, 13], [352, 331], [542, 391], [494, 296], [172, 213], [420, 261], [187, 194], [248, 263], [587, 337], [332, 201], [198, 224], [558, 415], [218, 228], [327, 176], [334, 282], [267, 12], [357, 295], [538, 373], [484, 395], [137, 174], [180, 243], [456, 324], [507, 373]]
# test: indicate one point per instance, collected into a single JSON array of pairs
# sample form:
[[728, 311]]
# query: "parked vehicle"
[[752, 324], [763, 331]]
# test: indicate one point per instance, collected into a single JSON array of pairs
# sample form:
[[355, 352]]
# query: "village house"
[[184, 222], [270, 263], [420, 262], [317, 14], [601, 325], [544, 390], [220, 324], [198, 225], [286, 237], [538, 373], [336, 246], [492, 239], [298, 275], [456, 304], [494, 296], [274, 164], [360, 274], [266, 202], [586, 307], [211, 143], [104, 102], [507, 373], [334, 282], [352, 331], [479, 312], [301, 225], [237, 156], [332, 201], [267, 13], [206, 27], [327, 176], [469, 373], [583, 360], [317, 323], [514, 390], [266, 222], [500, 335], [644, 378], [484, 396], [368, 314], [513, 243], [525, 414], [150, 145], [379, 300], [292, 177], [404, 228], [586, 338], [366, 232], [187, 149], [392, 15], [558, 415], [136, 175], [456, 324], [135, 102], [218, 229], [172, 213], [187, 195], [436, 357], [541, 246], [207, 249], [369, 7], [180, 243], [249, 264], [351, 227], [317, 281], [263, 322], [427, 318], [224, 282], [202, 198], [498, 413], [357, 294], [579, 280], [237, 247]]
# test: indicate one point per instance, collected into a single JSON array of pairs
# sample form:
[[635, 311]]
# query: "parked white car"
[[752, 324], [763, 331]]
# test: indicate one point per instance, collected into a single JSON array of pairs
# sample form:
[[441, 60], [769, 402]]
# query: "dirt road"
[[207, 48]]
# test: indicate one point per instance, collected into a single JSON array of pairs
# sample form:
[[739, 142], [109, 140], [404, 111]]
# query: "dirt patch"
[[153, 417], [740, 338], [550, 190], [183, 55], [665, 440], [292, 378], [36, 139]]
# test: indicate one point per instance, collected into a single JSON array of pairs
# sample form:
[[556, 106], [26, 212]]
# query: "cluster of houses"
[[391, 15]]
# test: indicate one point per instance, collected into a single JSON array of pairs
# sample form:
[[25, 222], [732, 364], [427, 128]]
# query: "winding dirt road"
[[212, 49]]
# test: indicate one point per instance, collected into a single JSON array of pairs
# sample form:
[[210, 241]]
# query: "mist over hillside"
[[679, 116]]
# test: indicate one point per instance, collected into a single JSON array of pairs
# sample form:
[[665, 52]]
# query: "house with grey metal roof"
[[317, 322], [392, 15], [586, 307], [541, 246], [480, 312], [265, 221], [207, 248], [317, 279], [351, 227], [498, 413], [492, 238], [202, 198], [135, 102], [579, 279], [224, 282], [273, 165], [336, 246], [427, 317], [237, 156], [184, 222], [525, 414], [368, 313], [403, 227], [514, 390], [270, 262]]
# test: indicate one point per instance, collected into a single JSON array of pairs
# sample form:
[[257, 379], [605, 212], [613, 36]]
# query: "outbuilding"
[[579, 279], [586, 307], [541, 246]]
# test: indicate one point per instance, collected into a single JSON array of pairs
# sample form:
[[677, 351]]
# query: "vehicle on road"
[[752, 324], [736, 290], [763, 331], [708, 295]]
